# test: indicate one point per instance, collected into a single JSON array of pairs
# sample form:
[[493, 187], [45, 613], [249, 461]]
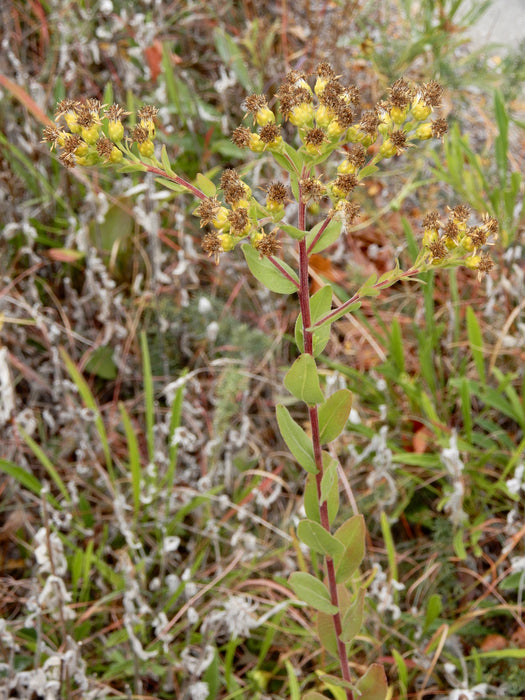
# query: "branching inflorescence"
[[327, 123]]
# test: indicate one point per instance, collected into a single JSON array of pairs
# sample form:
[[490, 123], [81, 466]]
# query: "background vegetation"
[[147, 503]]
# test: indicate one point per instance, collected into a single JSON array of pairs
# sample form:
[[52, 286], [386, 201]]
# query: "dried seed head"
[[211, 244], [140, 134], [115, 113], [315, 137], [71, 143], [369, 122], [147, 113], [268, 245], [356, 155], [439, 128], [104, 147], [52, 134], [451, 230], [460, 213], [234, 190], [432, 93], [431, 220], [239, 221], [241, 137], [67, 159], [208, 210], [399, 139], [400, 93], [312, 189], [438, 249], [277, 193], [270, 132], [66, 106], [344, 184]]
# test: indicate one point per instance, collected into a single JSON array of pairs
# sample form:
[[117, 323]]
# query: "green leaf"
[[46, 463], [102, 364], [353, 618], [89, 401], [267, 274], [296, 440], [314, 695], [166, 161], [232, 56], [336, 316], [302, 380], [330, 486], [26, 479], [320, 305], [133, 456], [333, 415], [434, 607], [329, 235], [352, 535], [312, 591], [329, 476], [311, 502], [366, 171], [293, 231], [476, 343], [170, 185], [205, 185], [373, 685], [318, 539], [293, 683]]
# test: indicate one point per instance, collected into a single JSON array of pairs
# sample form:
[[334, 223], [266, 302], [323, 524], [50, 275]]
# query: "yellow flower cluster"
[[454, 241], [326, 116], [240, 216], [90, 133]]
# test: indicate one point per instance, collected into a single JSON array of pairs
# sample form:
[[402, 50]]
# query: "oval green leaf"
[[267, 274], [302, 380], [352, 535], [353, 618], [319, 540], [373, 685], [296, 440], [312, 591], [333, 415]]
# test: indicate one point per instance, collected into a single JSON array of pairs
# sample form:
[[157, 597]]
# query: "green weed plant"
[[324, 149]]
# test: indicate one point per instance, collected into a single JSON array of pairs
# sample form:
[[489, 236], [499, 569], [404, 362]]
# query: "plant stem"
[[304, 302]]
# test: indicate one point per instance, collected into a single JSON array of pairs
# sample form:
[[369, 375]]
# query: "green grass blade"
[[26, 479], [46, 463], [149, 404], [89, 401], [476, 343], [133, 456]]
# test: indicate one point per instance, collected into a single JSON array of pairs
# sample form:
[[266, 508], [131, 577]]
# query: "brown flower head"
[[432, 93], [115, 113], [268, 245], [104, 147], [270, 132], [277, 192], [231, 185], [208, 210], [140, 134], [211, 244], [239, 221], [345, 183], [400, 93], [439, 128], [241, 137], [312, 189]]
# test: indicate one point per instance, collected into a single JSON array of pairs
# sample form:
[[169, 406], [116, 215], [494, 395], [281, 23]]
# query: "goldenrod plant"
[[323, 160]]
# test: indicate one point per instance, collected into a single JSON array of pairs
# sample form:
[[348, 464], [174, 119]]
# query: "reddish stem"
[[304, 302]]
